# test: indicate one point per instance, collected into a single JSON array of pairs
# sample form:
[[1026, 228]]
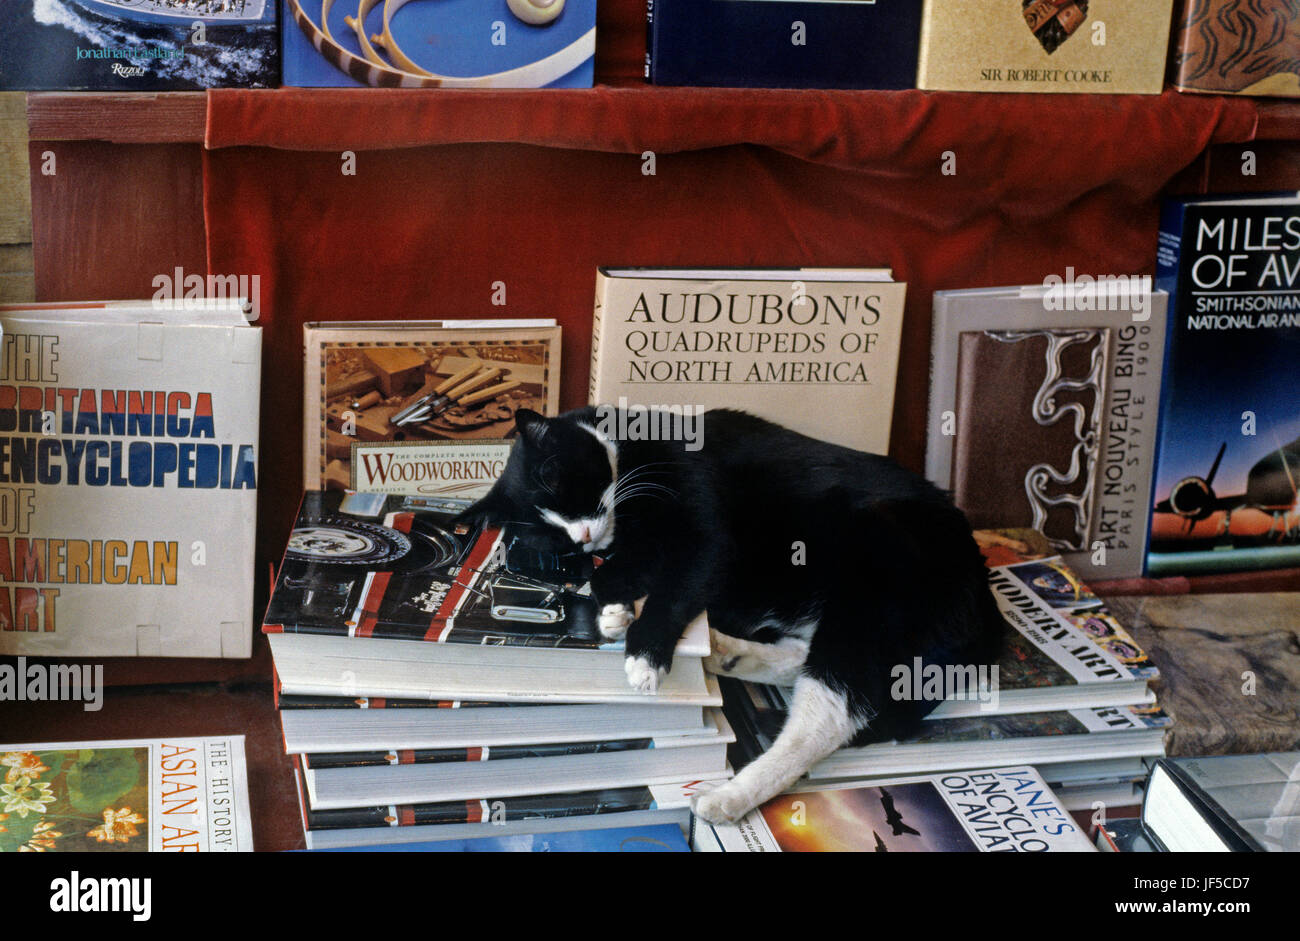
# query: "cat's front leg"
[[652, 637]]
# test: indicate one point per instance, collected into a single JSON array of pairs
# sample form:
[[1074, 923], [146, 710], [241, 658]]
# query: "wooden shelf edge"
[[118, 117]]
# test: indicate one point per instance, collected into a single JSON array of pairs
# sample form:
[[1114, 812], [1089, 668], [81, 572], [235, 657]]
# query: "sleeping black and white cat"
[[819, 567]]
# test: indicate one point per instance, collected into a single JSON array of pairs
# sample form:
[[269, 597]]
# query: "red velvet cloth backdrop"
[[457, 190]]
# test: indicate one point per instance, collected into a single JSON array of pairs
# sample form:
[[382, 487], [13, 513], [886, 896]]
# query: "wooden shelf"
[[182, 117]]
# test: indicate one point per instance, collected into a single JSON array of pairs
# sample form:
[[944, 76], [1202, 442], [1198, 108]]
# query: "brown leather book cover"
[[1029, 407], [1239, 47]]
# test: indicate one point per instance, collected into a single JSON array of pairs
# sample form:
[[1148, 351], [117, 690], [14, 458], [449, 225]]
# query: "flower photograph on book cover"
[[83, 800]]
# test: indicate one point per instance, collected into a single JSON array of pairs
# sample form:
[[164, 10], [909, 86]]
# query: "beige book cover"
[[1096, 46], [400, 381], [128, 480], [815, 350]]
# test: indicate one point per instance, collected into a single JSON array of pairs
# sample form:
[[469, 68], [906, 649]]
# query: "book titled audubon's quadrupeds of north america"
[[814, 349], [128, 479]]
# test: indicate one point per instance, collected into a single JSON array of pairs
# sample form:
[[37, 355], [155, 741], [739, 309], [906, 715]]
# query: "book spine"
[[923, 50], [597, 312], [649, 40]]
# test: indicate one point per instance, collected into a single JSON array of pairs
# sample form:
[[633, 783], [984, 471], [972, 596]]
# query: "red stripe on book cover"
[[406, 816], [374, 600], [474, 754], [406, 757], [473, 811], [272, 628], [441, 624], [377, 702]]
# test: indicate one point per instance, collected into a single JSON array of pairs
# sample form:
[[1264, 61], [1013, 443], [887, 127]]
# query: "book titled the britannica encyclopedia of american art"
[[128, 480]]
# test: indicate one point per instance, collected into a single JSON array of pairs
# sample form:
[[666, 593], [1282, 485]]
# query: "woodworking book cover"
[[373, 390], [128, 482], [1097, 46], [138, 45], [1228, 452]]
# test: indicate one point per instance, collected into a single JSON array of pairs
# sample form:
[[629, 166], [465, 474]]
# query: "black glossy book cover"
[[775, 44]]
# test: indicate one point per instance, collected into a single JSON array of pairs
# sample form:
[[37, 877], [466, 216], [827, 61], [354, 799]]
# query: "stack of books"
[[1070, 695], [443, 682]]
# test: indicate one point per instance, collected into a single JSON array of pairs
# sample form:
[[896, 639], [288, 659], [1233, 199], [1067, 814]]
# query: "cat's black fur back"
[[774, 534]]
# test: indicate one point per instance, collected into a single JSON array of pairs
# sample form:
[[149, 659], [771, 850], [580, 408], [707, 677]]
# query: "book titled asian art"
[[1044, 402], [1094, 46], [767, 341], [1228, 454], [374, 390], [129, 472], [1231, 47], [1002, 810], [178, 795]]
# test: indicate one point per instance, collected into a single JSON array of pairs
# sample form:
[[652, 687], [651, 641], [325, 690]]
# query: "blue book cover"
[[1228, 446], [661, 838], [783, 44], [451, 43], [138, 45]]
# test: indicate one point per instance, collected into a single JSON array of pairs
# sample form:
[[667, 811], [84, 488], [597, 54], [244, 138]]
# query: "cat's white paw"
[[643, 676], [726, 803], [613, 620], [723, 657]]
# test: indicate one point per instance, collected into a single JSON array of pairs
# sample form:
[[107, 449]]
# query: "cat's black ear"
[[531, 426]]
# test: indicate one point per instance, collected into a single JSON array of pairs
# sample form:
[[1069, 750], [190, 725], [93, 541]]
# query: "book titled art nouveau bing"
[[815, 350], [128, 480]]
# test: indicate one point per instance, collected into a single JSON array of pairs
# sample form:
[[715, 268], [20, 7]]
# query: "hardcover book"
[[1043, 412], [782, 43], [1095, 46], [760, 340], [449, 44], [419, 777], [757, 713], [390, 596], [1226, 47], [379, 389], [138, 45], [324, 725], [179, 795], [1228, 456], [1254, 797], [466, 819], [1004, 810], [130, 436], [658, 838]]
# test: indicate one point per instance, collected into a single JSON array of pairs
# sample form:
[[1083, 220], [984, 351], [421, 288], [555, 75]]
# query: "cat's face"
[[561, 474]]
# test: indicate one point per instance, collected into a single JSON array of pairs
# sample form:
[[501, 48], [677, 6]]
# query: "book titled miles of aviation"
[[128, 467], [767, 341], [1228, 451], [171, 795], [1004, 810]]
